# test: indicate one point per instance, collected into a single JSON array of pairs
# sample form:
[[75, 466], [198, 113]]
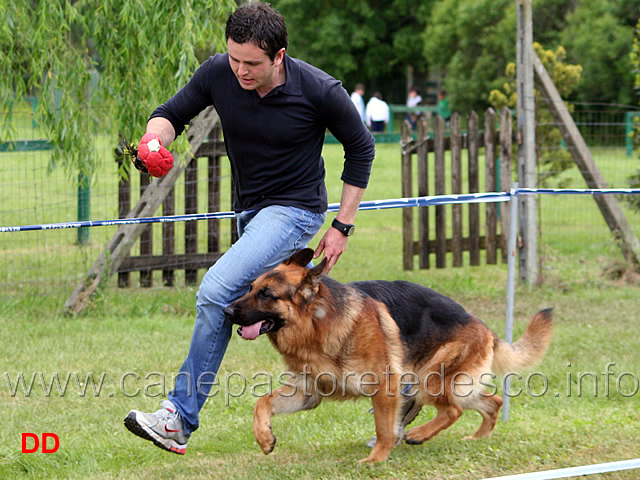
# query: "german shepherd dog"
[[396, 342]]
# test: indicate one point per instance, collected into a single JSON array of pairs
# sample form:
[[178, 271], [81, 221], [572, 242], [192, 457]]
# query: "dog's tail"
[[530, 347]]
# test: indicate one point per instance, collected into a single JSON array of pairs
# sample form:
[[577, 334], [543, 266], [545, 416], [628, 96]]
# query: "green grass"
[[133, 338], [129, 335]]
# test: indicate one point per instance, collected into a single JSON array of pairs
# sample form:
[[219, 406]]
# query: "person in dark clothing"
[[274, 111]]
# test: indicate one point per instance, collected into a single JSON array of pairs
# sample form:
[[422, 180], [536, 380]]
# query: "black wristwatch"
[[344, 228]]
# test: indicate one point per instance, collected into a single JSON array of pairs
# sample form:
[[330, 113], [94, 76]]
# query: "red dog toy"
[[157, 159]]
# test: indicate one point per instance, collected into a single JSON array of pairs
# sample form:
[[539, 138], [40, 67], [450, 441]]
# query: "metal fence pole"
[[511, 282], [84, 206]]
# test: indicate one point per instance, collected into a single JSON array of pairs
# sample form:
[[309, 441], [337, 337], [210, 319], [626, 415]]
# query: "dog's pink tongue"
[[252, 331]]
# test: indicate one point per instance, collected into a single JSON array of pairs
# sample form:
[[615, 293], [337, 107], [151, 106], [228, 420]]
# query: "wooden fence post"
[[191, 228], [168, 237], [441, 212], [527, 176], [457, 246], [407, 213], [424, 247], [490, 185], [146, 238], [213, 203], [474, 217], [124, 200]]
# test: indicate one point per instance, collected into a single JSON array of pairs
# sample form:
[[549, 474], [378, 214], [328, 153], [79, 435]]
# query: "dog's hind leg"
[[286, 399], [488, 407], [446, 416]]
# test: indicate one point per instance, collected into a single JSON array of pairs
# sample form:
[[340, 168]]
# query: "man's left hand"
[[333, 244]]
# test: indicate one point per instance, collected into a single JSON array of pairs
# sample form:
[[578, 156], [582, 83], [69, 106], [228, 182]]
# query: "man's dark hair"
[[259, 24]]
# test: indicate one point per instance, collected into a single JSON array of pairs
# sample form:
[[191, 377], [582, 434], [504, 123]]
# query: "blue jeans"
[[267, 237]]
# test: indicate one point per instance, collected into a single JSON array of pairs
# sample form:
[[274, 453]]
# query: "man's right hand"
[[157, 159]]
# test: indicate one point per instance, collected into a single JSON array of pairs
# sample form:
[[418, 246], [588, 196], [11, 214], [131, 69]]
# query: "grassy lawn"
[[132, 342], [123, 352]]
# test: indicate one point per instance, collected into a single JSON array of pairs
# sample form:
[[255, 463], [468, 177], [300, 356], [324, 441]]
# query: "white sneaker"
[[163, 428]]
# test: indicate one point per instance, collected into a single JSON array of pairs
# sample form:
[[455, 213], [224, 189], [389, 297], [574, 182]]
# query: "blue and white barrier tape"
[[583, 191], [574, 471], [430, 200], [120, 221], [367, 205]]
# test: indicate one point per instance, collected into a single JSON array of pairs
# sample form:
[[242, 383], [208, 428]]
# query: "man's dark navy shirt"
[[274, 143]]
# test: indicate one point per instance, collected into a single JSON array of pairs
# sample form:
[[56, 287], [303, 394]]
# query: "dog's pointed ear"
[[302, 257], [311, 281], [316, 273]]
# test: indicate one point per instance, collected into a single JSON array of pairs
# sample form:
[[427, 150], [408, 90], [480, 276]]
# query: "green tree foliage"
[[555, 160], [634, 180], [100, 65], [371, 41], [597, 37], [471, 41]]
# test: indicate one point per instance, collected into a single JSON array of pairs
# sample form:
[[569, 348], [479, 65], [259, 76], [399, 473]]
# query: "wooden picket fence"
[[436, 150], [168, 260], [441, 170]]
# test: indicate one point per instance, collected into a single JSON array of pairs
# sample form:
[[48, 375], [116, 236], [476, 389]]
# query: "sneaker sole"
[[142, 431]]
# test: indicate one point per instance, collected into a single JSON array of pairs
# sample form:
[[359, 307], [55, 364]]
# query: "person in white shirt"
[[357, 97], [377, 113], [413, 99]]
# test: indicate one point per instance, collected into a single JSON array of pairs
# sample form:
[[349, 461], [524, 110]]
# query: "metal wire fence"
[[53, 262], [571, 228]]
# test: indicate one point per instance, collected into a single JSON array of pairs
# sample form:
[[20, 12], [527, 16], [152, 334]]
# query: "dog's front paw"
[[266, 439], [374, 458], [414, 437]]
